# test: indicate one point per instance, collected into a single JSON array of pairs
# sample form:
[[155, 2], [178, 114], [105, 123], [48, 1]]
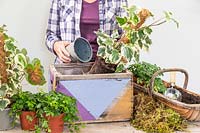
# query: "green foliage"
[[17, 68], [153, 117], [54, 104], [23, 101], [124, 50], [144, 71], [46, 104]]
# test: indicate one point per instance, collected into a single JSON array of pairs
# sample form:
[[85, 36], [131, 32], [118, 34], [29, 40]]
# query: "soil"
[[100, 66]]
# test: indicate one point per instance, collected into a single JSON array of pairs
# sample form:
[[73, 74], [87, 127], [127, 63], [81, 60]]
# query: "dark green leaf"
[[141, 34], [121, 21], [24, 51], [134, 37], [148, 30], [135, 18], [148, 40], [140, 44], [10, 46]]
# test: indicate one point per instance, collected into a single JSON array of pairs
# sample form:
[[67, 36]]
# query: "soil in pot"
[[100, 66]]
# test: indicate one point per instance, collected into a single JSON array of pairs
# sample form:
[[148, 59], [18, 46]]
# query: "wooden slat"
[[94, 76], [122, 107]]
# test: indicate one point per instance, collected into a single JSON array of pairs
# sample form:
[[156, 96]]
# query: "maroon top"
[[89, 23]]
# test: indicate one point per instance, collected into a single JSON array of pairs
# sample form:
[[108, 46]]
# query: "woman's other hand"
[[60, 50]]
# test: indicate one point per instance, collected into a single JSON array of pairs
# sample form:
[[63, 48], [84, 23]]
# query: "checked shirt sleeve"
[[53, 30], [122, 10]]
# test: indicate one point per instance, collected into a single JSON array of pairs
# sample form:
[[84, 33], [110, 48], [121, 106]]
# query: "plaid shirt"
[[64, 19]]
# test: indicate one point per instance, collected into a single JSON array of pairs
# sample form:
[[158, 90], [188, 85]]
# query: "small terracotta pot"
[[27, 124], [56, 123]]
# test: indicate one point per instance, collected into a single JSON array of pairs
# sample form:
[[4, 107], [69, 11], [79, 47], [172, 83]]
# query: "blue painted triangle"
[[95, 95]]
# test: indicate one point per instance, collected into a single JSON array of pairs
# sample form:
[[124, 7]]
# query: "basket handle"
[[150, 89]]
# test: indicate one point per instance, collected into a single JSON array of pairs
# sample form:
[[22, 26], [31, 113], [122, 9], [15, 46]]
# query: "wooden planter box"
[[100, 97]]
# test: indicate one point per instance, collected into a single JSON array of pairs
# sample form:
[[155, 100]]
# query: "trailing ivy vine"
[[124, 50]]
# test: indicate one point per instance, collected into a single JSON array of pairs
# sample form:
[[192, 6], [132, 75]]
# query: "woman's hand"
[[60, 50]]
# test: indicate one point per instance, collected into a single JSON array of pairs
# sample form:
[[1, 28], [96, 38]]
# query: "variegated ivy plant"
[[15, 65], [125, 50]]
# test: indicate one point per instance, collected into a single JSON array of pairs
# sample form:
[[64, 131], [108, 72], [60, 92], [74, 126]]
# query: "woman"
[[70, 19]]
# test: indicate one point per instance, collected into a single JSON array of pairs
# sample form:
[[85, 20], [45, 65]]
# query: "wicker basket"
[[188, 108]]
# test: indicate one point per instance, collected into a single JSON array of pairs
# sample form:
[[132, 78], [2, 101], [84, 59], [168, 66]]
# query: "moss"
[[152, 116]]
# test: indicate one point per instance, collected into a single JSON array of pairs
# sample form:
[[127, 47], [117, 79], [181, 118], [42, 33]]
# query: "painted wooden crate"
[[100, 97]]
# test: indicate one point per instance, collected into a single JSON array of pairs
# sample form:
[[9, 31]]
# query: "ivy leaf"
[[100, 33], [148, 40], [99, 41], [24, 51], [120, 67], [148, 30], [127, 52], [2, 28], [133, 37], [4, 103], [20, 59], [9, 46], [115, 34], [114, 57], [121, 21], [141, 34], [140, 44], [109, 41], [101, 51], [137, 56], [168, 15], [36, 61], [108, 49], [3, 91], [135, 18], [131, 9]]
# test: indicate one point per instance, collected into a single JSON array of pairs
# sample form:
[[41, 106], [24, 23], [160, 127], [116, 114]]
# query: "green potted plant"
[[124, 50], [54, 109], [24, 106], [15, 66], [143, 72]]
